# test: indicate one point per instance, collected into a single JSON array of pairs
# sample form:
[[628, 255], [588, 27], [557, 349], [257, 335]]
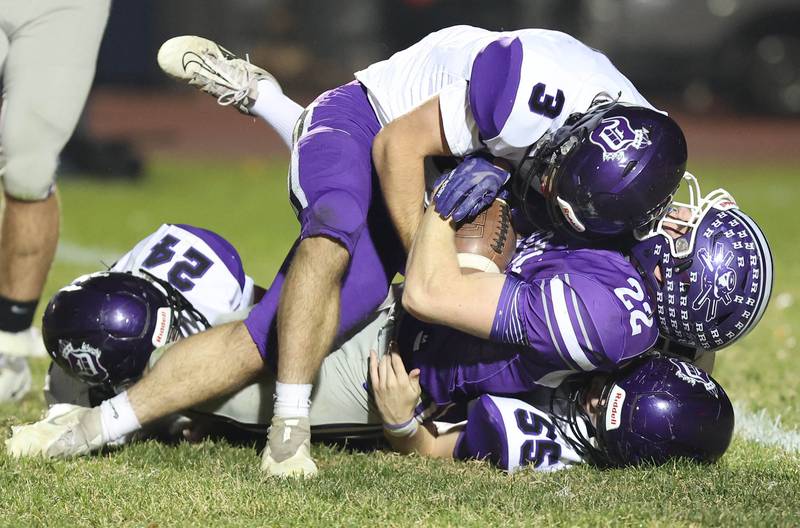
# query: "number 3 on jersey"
[[544, 104], [638, 317], [193, 265]]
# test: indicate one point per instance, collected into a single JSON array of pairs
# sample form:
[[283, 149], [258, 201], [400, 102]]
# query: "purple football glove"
[[468, 189]]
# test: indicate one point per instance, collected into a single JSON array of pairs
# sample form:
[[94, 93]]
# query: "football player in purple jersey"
[[651, 411], [697, 281]]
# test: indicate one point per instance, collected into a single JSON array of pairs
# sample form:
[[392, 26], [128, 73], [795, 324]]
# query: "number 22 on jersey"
[[638, 317]]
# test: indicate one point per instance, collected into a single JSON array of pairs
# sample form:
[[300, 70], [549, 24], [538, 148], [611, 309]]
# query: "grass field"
[[217, 484]]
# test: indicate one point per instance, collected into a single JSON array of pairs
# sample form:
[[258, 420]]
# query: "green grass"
[[215, 484]]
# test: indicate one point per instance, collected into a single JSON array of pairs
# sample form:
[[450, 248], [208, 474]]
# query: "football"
[[488, 242]]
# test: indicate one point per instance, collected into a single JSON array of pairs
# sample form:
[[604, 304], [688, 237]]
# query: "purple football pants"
[[335, 193]]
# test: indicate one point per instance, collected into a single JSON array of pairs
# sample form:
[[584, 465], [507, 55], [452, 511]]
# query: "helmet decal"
[[615, 135], [693, 375], [84, 361], [616, 399], [161, 332], [718, 280]]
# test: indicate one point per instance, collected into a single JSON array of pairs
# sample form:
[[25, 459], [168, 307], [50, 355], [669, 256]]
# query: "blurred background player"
[[48, 52]]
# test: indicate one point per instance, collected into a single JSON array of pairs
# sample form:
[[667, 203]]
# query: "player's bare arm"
[[396, 394], [437, 291], [398, 152]]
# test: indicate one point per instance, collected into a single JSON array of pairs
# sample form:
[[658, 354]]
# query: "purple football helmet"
[[656, 409], [715, 279], [604, 173], [103, 327]]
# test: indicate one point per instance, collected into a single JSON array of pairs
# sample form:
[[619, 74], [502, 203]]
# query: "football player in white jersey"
[[653, 410], [548, 106]]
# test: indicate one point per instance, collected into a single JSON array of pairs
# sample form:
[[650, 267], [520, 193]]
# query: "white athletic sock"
[[292, 399], [280, 112], [118, 418]]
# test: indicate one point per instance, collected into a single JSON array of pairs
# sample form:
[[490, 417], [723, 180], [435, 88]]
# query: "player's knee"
[[324, 249], [243, 350], [338, 215], [29, 177]]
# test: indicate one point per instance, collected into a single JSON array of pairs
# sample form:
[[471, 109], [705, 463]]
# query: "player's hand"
[[396, 392], [468, 189], [66, 431]]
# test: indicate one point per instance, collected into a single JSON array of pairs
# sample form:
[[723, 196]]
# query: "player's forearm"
[[398, 153], [432, 267], [436, 289], [402, 180], [425, 442]]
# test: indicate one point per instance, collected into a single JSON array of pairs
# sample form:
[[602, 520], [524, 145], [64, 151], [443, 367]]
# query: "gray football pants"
[[48, 53], [340, 402]]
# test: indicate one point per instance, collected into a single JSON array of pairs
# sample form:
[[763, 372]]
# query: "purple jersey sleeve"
[[575, 321], [484, 437], [493, 85]]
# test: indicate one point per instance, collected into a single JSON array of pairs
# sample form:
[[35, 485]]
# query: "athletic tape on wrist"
[[402, 430]]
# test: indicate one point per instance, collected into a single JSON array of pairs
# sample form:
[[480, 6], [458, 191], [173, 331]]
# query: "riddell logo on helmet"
[[161, 332], [614, 408]]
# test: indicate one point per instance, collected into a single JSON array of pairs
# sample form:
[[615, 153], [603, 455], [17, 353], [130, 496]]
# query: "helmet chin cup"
[[569, 214], [698, 206]]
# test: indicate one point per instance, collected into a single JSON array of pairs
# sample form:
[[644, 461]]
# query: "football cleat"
[[288, 450], [214, 70], [66, 431], [15, 378]]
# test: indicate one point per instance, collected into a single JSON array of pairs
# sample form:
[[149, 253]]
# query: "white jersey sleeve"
[[513, 434], [498, 91], [204, 267], [527, 83]]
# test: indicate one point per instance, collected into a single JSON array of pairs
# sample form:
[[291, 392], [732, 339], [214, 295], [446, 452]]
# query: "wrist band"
[[402, 430]]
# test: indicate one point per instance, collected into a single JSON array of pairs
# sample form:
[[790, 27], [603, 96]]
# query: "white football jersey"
[[498, 91], [514, 434], [204, 267]]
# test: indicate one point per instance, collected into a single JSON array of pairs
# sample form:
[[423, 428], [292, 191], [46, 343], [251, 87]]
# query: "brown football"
[[488, 242]]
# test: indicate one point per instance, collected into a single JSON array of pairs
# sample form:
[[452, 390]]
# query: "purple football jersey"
[[561, 311], [580, 309]]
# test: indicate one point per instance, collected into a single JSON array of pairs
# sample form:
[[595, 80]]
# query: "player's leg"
[[332, 191], [15, 376], [39, 114], [202, 367]]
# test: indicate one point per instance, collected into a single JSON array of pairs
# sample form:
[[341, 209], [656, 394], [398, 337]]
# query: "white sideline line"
[[757, 426], [761, 428], [71, 253]]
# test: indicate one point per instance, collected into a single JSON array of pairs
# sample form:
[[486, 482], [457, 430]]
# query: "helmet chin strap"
[[698, 206]]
